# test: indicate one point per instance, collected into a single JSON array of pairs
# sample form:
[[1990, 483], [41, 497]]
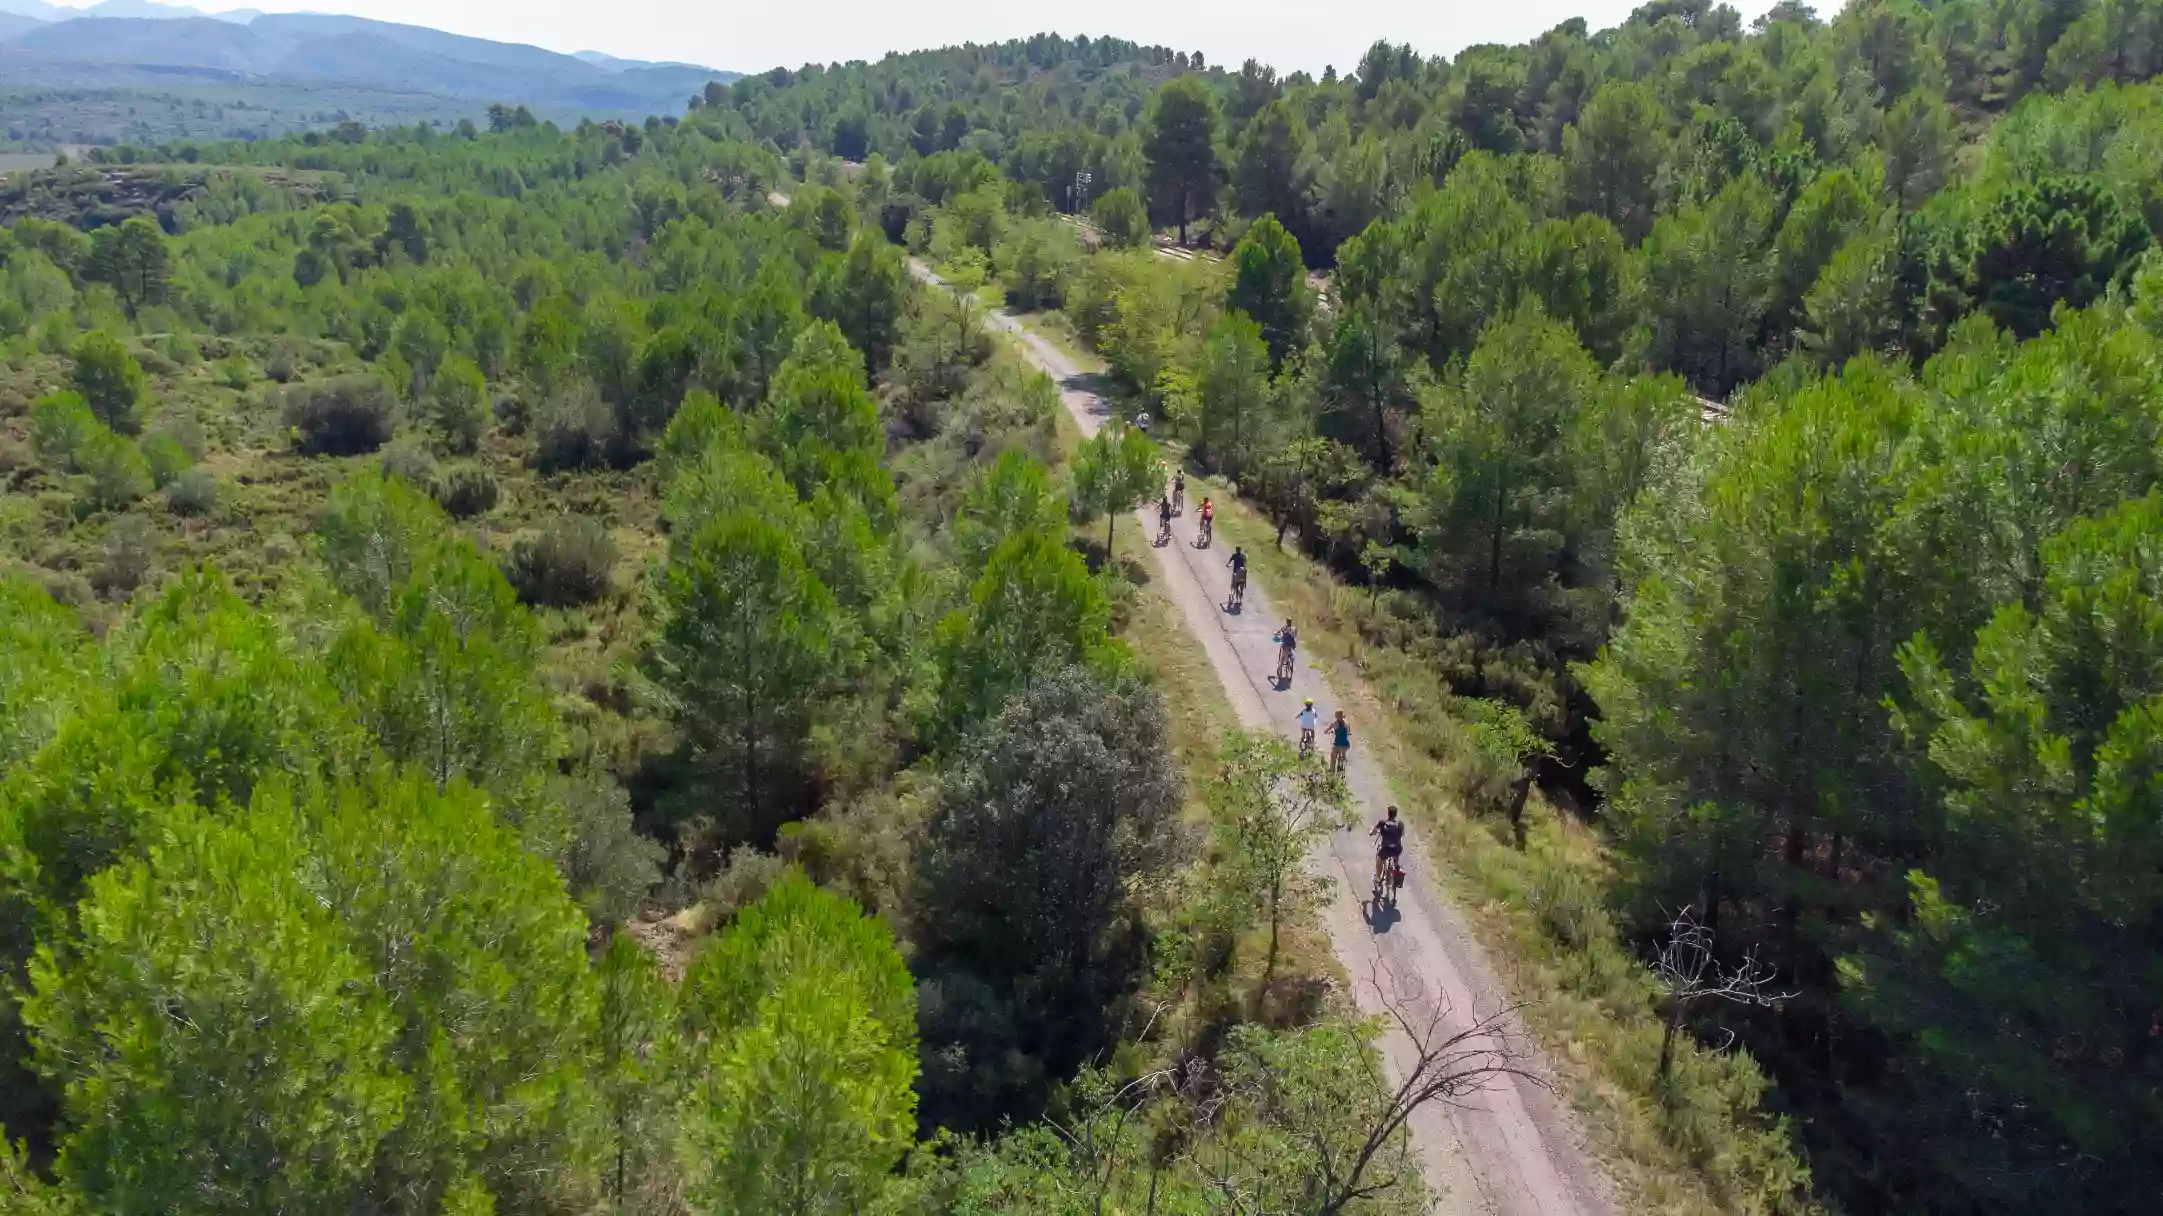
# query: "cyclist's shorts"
[[1390, 850]]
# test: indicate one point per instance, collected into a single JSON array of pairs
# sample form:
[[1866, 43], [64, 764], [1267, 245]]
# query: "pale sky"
[[754, 36]]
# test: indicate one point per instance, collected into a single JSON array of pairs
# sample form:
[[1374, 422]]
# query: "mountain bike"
[[1284, 667], [1239, 590], [1391, 881]]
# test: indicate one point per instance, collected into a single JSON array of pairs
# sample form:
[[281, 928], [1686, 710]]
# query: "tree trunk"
[[1269, 965], [1791, 907], [1494, 546], [1522, 791], [751, 763], [1111, 524]]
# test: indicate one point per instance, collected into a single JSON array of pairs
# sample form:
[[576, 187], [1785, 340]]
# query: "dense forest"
[[430, 558], [1756, 428], [429, 565]]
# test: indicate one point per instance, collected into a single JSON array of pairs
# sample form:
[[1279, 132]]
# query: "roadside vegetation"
[[1719, 443]]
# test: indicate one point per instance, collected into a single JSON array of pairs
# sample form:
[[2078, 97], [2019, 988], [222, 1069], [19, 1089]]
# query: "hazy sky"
[[759, 34]]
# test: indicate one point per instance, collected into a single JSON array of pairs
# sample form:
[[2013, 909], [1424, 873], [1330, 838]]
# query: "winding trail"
[[1511, 1149]]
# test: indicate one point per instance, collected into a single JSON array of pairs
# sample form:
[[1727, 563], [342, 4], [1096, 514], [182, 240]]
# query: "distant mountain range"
[[138, 43]]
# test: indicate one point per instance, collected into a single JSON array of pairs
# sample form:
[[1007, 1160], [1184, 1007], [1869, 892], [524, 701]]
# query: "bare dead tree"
[[1348, 1127], [1691, 972], [1447, 1066]]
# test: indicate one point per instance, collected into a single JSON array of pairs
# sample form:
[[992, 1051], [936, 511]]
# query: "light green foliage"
[[62, 427], [1117, 469], [199, 699], [1272, 806], [441, 668], [110, 381], [1313, 1120], [42, 655], [166, 457], [458, 404], [2045, 761], [114, 473], [216, 1023], [1120, 215], [819, 424], [1036, 258], [1012, 497], [133, 259], [1232, 391], [1830, 212], [864, 293], [430, 977], [800, 1024], [745, 649], [1035, 608]]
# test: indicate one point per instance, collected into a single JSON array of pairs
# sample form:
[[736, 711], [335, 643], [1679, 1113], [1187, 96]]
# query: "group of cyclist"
[[1389, 829], [1175, 503]]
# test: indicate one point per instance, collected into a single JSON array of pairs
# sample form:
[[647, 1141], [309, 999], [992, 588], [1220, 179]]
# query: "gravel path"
[[1511, 1149]]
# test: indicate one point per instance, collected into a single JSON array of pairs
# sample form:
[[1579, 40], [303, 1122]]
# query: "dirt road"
[[1509, 1150]]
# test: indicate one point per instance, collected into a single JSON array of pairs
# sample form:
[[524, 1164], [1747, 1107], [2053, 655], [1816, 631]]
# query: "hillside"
[[1670, 392], [308, 51], [1718, 470], [150, 74], [646, 654]]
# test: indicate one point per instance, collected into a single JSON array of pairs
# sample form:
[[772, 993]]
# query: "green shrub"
[[563, 565], [458, 403], [131, 553], [466, 490], [575, 430], [60, 424], [194, 492], [347, 416], [1120, 215], [182, 350], [110, 380], [409, 460], [282, 367], [235, 372], [115, 473], [167, 457]]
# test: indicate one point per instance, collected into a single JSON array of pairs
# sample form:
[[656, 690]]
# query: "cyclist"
[[1141, 423], [1164, 520], [1340, 742], [1209, 521], [1392, 833], [1306, 727], [1179, 491], [1239, 574], [1287, 650]]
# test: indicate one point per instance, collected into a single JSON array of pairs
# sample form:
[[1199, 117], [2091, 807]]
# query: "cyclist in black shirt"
[[1391, 830]]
